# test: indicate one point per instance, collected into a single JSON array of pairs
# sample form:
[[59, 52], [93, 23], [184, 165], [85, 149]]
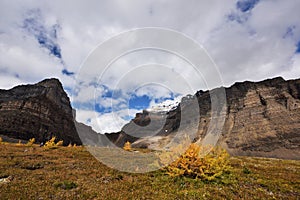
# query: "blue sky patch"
[[238, 18], [69, 90], [298, 47], [109, 93], [66, 72], [246, 5], [82, 105], [55, 50], [289, 32], [46, 37], [139, 102], [101, 109], [171, 97], [127, 117]]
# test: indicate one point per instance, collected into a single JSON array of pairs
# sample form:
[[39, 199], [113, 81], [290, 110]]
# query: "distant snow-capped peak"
[[166, 105]]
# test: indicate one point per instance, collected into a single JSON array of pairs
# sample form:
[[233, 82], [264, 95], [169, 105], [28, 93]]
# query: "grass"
[[73, 173]]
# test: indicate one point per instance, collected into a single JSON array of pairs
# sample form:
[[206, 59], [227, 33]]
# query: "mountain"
[[166, 105], [261, 119], [38, 111]]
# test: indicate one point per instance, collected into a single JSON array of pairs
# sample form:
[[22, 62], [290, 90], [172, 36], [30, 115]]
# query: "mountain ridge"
[[39, 111], [262, 119]]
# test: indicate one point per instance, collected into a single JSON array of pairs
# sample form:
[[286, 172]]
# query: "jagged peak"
[[34, 110], [265, 81], [50, 82]]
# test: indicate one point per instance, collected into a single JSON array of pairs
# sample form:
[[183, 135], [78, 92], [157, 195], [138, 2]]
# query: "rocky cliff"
[[261, 119], [37, 111]]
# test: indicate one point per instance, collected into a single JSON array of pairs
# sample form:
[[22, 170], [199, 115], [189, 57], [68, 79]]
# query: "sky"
[[246, 39]]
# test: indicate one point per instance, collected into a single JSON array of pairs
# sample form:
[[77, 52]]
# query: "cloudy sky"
[[246, 39]]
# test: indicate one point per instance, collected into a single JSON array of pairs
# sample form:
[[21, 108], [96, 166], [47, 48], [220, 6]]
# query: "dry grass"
[[72, 173]]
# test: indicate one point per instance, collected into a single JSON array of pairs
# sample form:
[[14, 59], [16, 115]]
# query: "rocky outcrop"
[[262, 119], [37, 111], [90, 137]]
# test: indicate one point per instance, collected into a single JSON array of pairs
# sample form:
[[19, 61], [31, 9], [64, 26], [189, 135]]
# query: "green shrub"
[[66, 185], [246, 170]]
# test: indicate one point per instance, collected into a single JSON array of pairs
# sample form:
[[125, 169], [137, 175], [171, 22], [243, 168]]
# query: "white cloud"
[[25, 58], [163, 71], [107, 122], [292, 72], [87, 93], [257, 48], [262, 46], [9, 81]]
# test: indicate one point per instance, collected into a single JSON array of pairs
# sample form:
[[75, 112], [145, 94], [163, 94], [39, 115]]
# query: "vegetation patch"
[[197, 162], [51, 144], [73, 173], [32, 166], [30, 142], [66, 185], [127, 146]]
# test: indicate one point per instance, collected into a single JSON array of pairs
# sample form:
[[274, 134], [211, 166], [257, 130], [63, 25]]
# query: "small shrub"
[[32, 166], [30, 142], [119, 177], [52, 145], [66, 185], [19, 143], [1, 140], [127, 146], [246, 170], [70, 145], [60, 143], [193, 165]]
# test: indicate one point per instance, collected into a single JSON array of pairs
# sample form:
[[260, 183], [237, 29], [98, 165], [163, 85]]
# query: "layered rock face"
[[37, 111], [261, 119]]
